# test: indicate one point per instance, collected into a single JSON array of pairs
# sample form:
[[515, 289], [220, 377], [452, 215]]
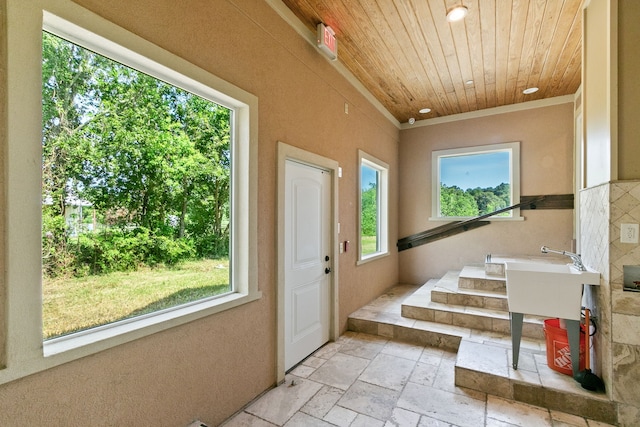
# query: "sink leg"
[[516, 336], [573, 333]]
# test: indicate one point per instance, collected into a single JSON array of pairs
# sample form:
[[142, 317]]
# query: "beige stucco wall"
[[546, 153], [210, 368], [3, 138], [628, 90], [599, 96]]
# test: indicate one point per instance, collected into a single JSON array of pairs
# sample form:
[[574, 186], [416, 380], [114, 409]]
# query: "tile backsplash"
[[602, 210]]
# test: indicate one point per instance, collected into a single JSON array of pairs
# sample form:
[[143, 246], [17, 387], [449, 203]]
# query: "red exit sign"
[[327, 41]]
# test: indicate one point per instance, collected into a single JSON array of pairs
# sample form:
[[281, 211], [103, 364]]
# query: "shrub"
[[126, 250], [166, 250], [211, 246], [57, 260]]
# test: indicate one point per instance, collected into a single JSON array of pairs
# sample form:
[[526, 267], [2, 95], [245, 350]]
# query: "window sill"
[[372, 257], [93, 340]]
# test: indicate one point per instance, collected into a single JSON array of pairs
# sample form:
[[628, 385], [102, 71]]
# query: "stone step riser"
[[536, 395], [481, 368], [470, 320], [495, 269], [449, 342], [483, 284], [480, 301]]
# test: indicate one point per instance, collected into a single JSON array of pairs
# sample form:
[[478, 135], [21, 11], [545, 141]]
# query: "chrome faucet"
[[577, 261]]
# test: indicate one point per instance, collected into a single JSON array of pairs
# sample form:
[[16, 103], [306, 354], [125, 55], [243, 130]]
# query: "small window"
[[475, 181], [373, 223]]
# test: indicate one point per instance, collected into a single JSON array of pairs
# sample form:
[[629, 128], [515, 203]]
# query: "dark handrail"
[[436, 233]]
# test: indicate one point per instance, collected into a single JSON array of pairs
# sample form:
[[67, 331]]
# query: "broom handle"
[[586, 338]]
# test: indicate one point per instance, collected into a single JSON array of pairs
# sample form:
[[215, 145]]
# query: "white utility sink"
[[546, 289]]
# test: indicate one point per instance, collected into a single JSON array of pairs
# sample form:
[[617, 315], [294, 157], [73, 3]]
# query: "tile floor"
[[368, 381]]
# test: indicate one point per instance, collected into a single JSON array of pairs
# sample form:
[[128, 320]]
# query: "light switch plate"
[[629, 233]]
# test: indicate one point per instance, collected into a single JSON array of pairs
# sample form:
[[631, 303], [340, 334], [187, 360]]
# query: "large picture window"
[[136, 176], [474, 181], [145, 169], [373, 223]]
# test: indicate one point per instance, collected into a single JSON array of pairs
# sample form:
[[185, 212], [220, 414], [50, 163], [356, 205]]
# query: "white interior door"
[[307, 266]]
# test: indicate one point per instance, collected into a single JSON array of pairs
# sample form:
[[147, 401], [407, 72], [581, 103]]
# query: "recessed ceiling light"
[[530, 90], [457, 13], [469, 82], [425, 111]]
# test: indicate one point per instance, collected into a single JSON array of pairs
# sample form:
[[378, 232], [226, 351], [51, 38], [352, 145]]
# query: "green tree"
[[503, 191], [491, 199], [487, 200], [142, 152], [134, 145], [456, 202], [369, 214], [203, 198], [66, 73]]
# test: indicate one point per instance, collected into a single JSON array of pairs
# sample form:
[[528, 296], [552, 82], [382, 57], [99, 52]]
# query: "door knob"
[[326, 258], [327, 270]]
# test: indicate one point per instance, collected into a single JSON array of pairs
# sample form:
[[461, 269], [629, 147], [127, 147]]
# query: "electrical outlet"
[[629, 233]]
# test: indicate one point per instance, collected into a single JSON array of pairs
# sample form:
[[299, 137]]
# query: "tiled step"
[[484, 357], [389, 323], [446, 291], [417, 332], [494, 268], [420, 306], [475, 277], [471, 298], [383, 317], [486, 367]]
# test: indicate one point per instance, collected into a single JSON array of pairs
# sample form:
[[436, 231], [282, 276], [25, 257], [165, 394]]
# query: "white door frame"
[[289, 152], [579, 178]]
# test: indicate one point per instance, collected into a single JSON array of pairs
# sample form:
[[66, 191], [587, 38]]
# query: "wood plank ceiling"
[[410, 57]]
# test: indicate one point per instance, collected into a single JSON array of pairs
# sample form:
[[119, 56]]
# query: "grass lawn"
[[369, 244], [75, 304]]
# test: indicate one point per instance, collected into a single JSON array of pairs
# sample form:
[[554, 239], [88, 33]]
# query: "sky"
[[368, 176], [475, 170]]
